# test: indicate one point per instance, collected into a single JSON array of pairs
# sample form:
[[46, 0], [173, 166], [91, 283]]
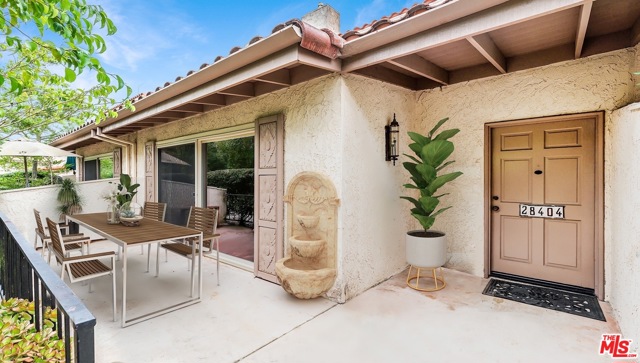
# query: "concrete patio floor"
[[249, 320]]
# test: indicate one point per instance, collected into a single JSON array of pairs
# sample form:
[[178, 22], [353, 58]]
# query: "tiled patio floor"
[[250, 320]]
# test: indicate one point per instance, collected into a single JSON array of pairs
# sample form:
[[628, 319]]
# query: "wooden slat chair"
[[157, 212], [85, 267], [204, 220], [72, 242]]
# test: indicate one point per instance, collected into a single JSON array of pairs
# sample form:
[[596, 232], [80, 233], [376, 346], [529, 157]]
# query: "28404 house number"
[[542, 211]]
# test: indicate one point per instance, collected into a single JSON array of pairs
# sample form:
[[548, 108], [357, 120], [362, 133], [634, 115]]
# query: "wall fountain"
[[309, 268]]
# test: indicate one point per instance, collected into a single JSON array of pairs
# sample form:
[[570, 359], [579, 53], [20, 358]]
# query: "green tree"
[[46, 45], [237, 153]]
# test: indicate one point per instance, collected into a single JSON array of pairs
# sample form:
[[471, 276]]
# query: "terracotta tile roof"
[[394, 18], [322, 41]]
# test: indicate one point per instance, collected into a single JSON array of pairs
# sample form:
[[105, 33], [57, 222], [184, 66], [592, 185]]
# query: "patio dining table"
[[148, 232]]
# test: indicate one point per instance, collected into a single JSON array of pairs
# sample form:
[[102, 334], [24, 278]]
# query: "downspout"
[[129, 150]]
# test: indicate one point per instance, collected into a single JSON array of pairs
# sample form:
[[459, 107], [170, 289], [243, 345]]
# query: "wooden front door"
[[538, 165]]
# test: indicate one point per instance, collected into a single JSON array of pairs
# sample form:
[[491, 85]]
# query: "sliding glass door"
[[176, 181]]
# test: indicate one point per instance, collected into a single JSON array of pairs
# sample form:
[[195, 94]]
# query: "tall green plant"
[[68, 197], [432, 152], [126, 191]]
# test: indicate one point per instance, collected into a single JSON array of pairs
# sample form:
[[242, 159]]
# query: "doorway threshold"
[[551, 284]]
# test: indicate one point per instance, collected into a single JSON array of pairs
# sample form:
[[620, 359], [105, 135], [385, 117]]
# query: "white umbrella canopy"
[[26, 148]]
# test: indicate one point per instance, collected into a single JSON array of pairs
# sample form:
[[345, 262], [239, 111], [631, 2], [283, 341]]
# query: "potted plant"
[[427, 248], [69, 199]]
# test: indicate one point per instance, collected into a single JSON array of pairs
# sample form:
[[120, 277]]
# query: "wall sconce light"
[[392, 139]]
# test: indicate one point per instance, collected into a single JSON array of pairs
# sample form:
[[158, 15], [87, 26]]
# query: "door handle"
[[495, 208]]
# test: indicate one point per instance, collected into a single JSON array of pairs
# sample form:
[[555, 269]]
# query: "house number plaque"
[[542, 211]]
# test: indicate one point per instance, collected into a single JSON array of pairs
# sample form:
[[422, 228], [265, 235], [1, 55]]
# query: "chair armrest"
[[92, 256]]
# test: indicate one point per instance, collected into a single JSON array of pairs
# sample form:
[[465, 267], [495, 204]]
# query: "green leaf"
[[446, 134], [412, 158], [442, 180], [419, 139], [436, 152], [425, 221], [69, 75], [428, 204], [437, 126], [445, 165]]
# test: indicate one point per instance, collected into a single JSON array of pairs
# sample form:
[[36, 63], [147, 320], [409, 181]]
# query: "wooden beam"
[[583, 22], [242, 90], [190, 107], [283, 59], [214, 99], [231, 99], [169, 115], [387, 75], [500, 16], [305, 73], [279, 77], [486, 46], [264, 88], [420, 66]]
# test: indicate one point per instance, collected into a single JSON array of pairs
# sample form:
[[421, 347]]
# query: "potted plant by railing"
[[69, 199], [427, 248]]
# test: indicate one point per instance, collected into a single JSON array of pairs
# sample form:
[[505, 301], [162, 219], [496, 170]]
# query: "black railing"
[[240, 209], [25, 274]]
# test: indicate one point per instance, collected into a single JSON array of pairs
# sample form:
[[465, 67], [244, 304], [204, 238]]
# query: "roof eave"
[[275, 42], [428, 20]]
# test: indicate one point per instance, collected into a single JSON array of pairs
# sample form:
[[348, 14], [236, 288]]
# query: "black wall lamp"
[[392, 140]]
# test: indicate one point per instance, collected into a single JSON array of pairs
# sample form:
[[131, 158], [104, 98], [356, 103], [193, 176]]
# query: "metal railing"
[[25, 274]]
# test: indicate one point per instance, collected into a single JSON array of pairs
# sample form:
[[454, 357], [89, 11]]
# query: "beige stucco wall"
[[599, 83], [623, 277], [373, 218], [18, 204]]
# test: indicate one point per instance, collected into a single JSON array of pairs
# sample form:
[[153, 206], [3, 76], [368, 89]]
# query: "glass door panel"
[[228, 167], [176, 181]]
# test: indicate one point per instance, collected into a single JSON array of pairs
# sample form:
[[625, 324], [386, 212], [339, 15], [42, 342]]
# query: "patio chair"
[[204, 220], [155, 211], [72, 242], [85, 267]]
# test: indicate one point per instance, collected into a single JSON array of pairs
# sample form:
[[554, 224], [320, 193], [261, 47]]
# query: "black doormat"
[[545, 297]]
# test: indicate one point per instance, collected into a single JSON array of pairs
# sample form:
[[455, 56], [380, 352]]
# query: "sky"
[[159, 40]]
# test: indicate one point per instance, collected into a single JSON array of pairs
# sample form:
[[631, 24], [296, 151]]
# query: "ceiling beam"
[[190, 107], [242, 90], [583, 22], [486, 46], [214, 99], [387, 75], [168, 115], [503, 15], [420, 66], [280, 77]]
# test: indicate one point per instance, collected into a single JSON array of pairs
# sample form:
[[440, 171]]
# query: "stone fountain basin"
[[304, 281], [307, 248]]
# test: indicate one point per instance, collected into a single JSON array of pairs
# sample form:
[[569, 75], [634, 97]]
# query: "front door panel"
[[549, 163]]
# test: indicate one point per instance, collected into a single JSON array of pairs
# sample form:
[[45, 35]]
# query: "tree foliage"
[[46, 45]]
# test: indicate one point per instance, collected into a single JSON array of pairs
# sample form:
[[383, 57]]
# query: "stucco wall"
[[18, 204], [602, 82], [623, 277], [373, 217]]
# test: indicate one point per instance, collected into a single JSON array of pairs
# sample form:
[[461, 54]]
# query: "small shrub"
[[235, 181], [20, 340]]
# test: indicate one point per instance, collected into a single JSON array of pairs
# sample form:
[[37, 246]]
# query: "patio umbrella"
[[30, 148]]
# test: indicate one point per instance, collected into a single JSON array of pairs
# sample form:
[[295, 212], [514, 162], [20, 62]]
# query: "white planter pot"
[[430, 252]]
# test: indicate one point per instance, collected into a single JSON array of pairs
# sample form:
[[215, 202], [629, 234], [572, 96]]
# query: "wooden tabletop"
[[149, 230]]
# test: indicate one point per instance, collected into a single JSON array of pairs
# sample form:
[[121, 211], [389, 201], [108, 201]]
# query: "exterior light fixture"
[[392, 140]]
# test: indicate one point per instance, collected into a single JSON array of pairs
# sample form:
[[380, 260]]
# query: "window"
[[100, 167]]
